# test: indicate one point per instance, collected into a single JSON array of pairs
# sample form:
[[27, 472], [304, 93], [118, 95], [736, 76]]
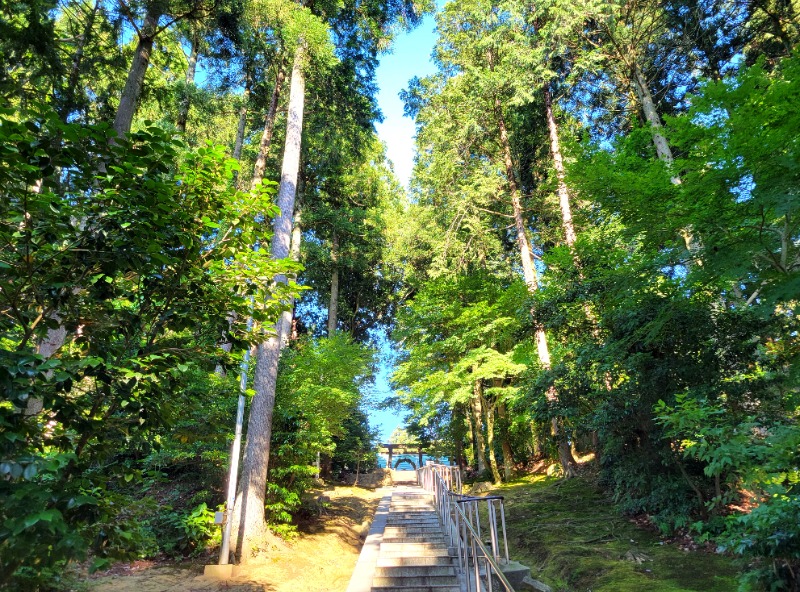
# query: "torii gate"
[[401, 449]]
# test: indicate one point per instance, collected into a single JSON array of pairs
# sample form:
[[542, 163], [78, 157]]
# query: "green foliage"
[[458, 330], [184, 533], [689, 377], [125, 260], [576, 539], [317, 404], [753, 458]]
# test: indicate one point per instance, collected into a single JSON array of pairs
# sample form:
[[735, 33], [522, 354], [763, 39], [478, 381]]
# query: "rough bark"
[[251, 524], [477, 426], [651, 115], [242, 125], [75, 67], [536, 441], [660, 142], [473, 445], [508, 456], [237, 155], [191, 68], [133, 85], [269, 127], [558, 164], [564, 199], [489, 410], [529, 273], [333, 305], [458, 435]]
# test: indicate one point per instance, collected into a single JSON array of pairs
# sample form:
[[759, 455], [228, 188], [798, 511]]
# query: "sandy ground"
[[321, 559]]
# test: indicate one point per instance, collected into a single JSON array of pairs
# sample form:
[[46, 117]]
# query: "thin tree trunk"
[[490, 440], [457, 429], [46, 347], [662, 146], [241, 126], [566, 214], [473, 445], [558, 164], [269, 127], [529, 272], [191, 68], [237, 155], [651, 115], [259, 427], [333, 305], [508, 456], [536, 441], [133, 85], [75, 68], [477, 426]]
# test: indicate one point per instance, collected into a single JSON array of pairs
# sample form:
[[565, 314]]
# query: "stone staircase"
[[413, 554]]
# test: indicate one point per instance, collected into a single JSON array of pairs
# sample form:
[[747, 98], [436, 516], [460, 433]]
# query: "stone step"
[[423, 526], [415, 570], [415, 531], [412, 495], [407, 581], [419, 538], [412, 510], [413, 550], [406, 561], [431, 588]]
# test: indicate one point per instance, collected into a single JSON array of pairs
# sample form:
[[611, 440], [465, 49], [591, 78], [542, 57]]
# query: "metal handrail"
[[478, 565]]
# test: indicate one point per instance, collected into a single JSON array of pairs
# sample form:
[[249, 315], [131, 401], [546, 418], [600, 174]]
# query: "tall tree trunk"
[[269, 127], [473, 445], [75, 67], [477, 426], [508, 456], [490, 440], [333, 305], [259, 426], [133, 85], [191, 68], [663, 150], [457, 429], [237, 155], [651, 115], [566, 215], [568, 463], [558, 164], [536, 441], [242, 125]]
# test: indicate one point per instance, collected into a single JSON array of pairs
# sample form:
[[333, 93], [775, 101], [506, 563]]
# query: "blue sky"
[[410, 57]]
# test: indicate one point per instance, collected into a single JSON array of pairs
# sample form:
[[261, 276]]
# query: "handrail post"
[[460, 514], [503, 521]]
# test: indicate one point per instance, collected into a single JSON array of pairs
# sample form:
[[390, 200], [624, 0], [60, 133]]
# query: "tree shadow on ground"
[[137, 577], [348, 515]]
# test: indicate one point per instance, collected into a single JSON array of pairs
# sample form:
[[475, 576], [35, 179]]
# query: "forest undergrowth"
[[321, 556], [575, 539]]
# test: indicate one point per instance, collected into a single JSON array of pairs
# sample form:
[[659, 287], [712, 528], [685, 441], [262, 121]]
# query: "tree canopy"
[[597, 264]]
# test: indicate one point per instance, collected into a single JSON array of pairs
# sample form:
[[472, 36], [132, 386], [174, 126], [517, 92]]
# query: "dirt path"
[[321, 559]]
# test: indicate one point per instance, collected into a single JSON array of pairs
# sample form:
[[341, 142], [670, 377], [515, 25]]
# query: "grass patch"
[[572, 537]]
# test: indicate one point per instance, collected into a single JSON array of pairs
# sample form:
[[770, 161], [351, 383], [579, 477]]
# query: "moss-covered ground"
[[572, 537]]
